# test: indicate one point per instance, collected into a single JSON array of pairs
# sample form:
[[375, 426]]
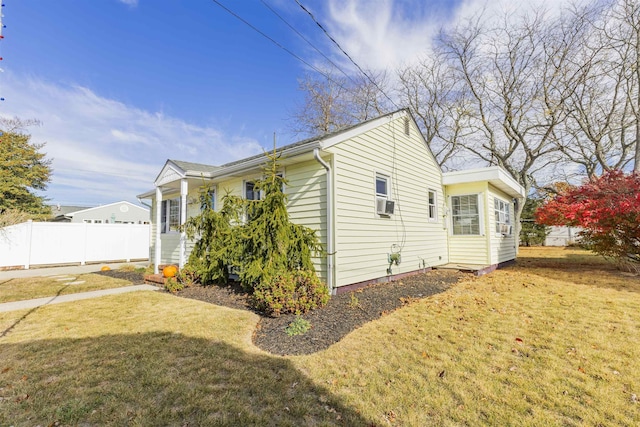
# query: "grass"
[[39, 287], [551, 341]]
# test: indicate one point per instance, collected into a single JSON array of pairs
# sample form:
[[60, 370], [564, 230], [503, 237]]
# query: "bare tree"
[[599, 132], [439, 102], [512, 72], [332, 102], [621, 31]]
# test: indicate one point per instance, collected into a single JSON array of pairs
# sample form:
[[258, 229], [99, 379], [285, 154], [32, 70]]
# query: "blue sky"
[[122, 85]]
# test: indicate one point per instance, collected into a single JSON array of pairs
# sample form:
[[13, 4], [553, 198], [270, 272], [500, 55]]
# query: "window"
[[465, 215], [208, 199], [503, 217], [170, 215], [433, 211], [382, 186], [250, 192]]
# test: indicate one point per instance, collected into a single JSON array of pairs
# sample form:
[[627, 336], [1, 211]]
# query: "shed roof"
[[495, 175]]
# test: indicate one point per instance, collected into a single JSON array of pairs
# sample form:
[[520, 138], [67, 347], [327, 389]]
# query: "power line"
[[275, 42], [345, 53], [306, 40]]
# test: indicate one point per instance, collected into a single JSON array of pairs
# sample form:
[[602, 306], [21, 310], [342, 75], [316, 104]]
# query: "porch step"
[[155, 279]]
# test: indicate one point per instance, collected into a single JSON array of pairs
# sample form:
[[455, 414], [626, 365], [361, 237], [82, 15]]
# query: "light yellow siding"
[[470, 249], [233, 186], [306, 192], [363, 238], [503, 248]]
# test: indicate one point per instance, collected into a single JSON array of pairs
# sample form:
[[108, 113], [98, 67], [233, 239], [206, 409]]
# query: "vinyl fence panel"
[[49, 243]]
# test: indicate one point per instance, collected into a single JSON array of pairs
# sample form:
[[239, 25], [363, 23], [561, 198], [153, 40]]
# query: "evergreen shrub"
[[290, 292]]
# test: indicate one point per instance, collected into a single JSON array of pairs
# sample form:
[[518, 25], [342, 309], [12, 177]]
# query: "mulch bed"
[[132, 276], [343, 313]]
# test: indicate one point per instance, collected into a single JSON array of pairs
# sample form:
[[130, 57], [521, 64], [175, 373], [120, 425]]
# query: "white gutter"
[[240, 167], [144, 204], [330, 246]]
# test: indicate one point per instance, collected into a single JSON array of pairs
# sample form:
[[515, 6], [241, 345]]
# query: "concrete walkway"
[[67, 269], [38, 302]]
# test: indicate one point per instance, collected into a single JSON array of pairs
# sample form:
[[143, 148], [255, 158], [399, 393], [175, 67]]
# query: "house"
[[59, 212], [374, 193], [112, 213]]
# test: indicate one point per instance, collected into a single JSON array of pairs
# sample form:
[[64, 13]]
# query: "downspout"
[[330, 245], [143, 203]]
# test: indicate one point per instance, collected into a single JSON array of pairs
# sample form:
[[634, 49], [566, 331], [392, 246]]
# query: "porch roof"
[[495, 175]]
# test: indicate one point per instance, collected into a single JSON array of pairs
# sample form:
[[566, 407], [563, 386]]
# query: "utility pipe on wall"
[[330, 247]]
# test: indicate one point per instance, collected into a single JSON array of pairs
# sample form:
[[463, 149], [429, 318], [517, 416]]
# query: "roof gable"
[[170, 172]]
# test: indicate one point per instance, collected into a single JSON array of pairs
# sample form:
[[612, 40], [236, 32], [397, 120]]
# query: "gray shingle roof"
[[195, 167], [198, 167]]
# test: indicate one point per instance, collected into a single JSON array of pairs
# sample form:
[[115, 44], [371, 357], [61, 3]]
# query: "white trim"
[[167, 228], [385, 177], [170, 172], [357, 130], [158, 247], [184, 190], [508, 222], [495, 175], [435, 205], [480, 206], [379, 196]]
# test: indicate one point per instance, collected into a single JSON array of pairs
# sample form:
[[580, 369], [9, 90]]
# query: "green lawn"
[[551, 341]]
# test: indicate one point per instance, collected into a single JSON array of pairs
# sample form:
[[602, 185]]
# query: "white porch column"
[[184, 189], [158, 230]]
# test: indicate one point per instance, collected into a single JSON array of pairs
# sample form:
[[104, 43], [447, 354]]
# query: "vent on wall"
[[384, 206], [406, 126]]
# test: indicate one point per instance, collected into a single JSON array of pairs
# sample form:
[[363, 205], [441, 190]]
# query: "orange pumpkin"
[[170, 271], [105, 268]]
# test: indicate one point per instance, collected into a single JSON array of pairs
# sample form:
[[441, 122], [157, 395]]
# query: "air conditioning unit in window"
[[384, 206], [505, 229]]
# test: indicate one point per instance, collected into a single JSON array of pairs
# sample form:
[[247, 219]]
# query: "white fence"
[[562, 236], [49, 243]]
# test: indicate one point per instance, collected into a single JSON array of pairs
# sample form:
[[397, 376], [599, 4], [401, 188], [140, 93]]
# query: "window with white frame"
[[170, 216], [382, 186], [503, 218], [208, 199], [250, 191], [465, 215], [433, 207]]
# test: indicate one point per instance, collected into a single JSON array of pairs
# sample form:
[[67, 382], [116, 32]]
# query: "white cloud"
[[379, 34], [104, 150], [383, 34], [132, 3]]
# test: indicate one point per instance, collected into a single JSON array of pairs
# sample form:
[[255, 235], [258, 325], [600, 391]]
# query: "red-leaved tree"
[[607, 209]]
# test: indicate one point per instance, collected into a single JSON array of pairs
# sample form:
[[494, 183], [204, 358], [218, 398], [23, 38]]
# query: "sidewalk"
[[38, 302], [68, 269]]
